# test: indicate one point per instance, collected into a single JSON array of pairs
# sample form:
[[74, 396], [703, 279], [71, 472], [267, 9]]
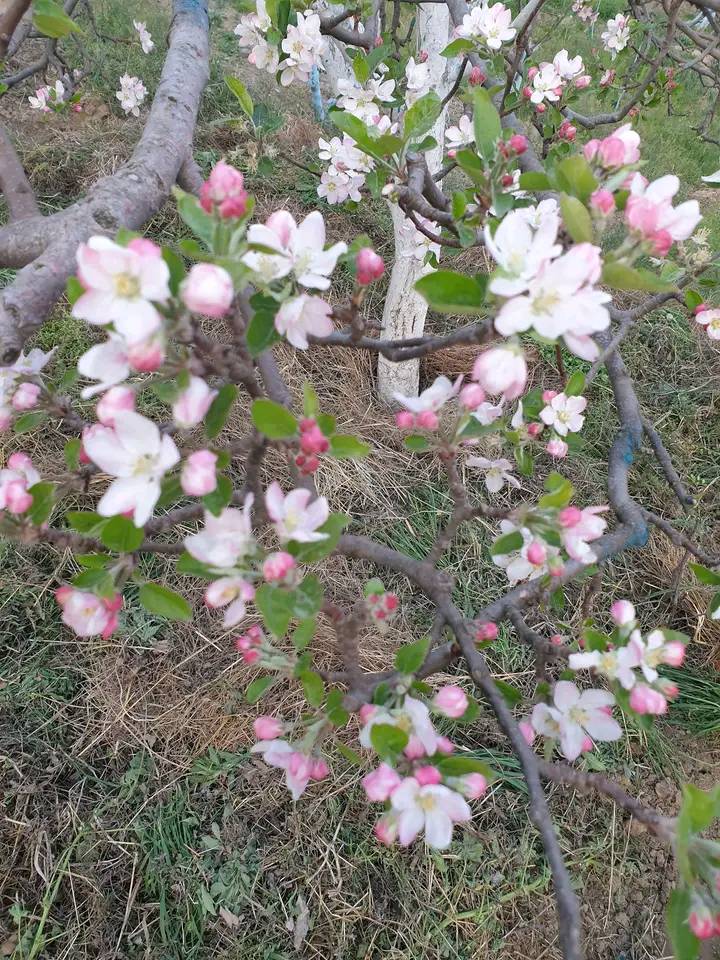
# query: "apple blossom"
[[615, 664], [645, 700], [15, 481], [589, 526], [472, 785], [497, 472], [486, 631], [557, 448], [300, 248], [224, 540], [147, 356], [567, 67], [87, 614], [144, 37], [379, 784], [337, 186], [518, 565], [277, 566], [501, 370], [427, 775], [267, 728], [233, 593], [451, 701], [106, 362], [198, 476], [702, 922], [417, 76], [575, 715], [192, 403], [116, 400], [649, 212], [564, 414], [208, 290], [385, 830], [293, 516], [433, 808], [546, 85], [622, 612], [413, 717], [368, 266], [120, 288], [26, 396], [710, 319], [617, 34], [655, 650], [603, 202], [224, 191], [131, 94], [476, 77], [490, 25], [520, 249], [461, 134], [298, 766], [431, 399], [304, 316], [304, 46]]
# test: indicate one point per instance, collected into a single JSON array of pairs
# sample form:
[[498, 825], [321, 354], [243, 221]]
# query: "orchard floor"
[[133, 821]]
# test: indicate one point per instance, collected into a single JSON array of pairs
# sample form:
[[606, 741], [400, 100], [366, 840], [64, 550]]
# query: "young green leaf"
[[486, 123], [219, 409], [121, 535], [241, 92], [576, 218], [272, 419], [508, 543], [164, 602], [258, 687], [409, 658], [346, 447], [449, 292], [387, 740]]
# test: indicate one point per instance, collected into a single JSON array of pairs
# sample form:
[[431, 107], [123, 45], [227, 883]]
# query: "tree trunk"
[[405, 310]]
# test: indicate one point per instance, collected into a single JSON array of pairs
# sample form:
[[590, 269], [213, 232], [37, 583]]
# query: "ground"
[[134, 823]]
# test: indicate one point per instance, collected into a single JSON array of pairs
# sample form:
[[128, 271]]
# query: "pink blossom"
[[230, 592], [319, 770], [557, 448], [584, 81], [208, 290], [87, 614], [304, 316], [451, 701], [312, 439], [536, 553], [569, 516], [575, 539], [414, 718], [528, 731], [518, 143], [473, 786], [193, 403], [267, 728], [471, 396], [198, 477], [116, 400], [433, 808], [293, 516], [645, 700], [427, 775], [386, 830], [404, 420], [431, 400], [445, 746], [366, 711], [298, 766], [710, 319], [486, 631], [476, 77], [278, 566], [501, 370], [702, 922], [622, 612], [26, 396], [674, 654], [414, 749], [564, 414], [15, 480], [380, 784], [649, 212], [224, 192], [369, 266], [225, 540], [427, 420], [575, 715], [603, 201], [147, 355]]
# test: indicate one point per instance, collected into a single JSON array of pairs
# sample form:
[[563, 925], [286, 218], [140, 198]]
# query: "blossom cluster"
[[301, 48], [548, 81]]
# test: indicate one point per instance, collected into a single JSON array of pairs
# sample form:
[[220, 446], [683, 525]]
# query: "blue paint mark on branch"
[[316, 95]]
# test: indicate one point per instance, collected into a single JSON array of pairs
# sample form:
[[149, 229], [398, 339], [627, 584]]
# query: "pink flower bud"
[[674, 653], [622, 612], [662, 241], [590, 150], [319, 770], [445, 746], [451, 701], [267, 728], [5, 418], [557, 640], [26, 396], [569, 517], [146, 356], [476, 77], [427, 776], [422, 56], [224, 192], [404, 420], [487, 631], [367, 712], [307, 464], [532, 73], [528, 731], [313, 441], [390, 602], [527, 92], [452, 154], [207, 289], [116, 400], [369, 266], [474, 786], [251, 656], [587, 745], [428, 420], [278, 565], [549, 395], [501, 370], [414, 749], [557, 448], [702, 923], [507, 180], [582, 82], [645, 700], [379, 784], [198, 476], [541, 108], [145, 247], [17, 498], [386, 830], [535, 429], [611, 152], [603, 202], [471, 396], [536, 553], [518, 143], [668, 689], [557, 568], [700, 308]]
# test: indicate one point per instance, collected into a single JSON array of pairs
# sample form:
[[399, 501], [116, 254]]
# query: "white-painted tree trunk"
[[405, 310]]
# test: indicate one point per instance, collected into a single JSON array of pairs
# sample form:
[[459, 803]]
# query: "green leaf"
[[376, 146], [85, 521], [28, 421], [714, 608], [220, 497], [560, 492], [261, 332], [692, 299], [416, 443], [486, 123], [308, 598], [327, 423], [51, 20], [705, 575], [575, 385], [576, 218], [409, 658], [176, 267], [511, 695], [313, 687], [461, 766], [276, 606], [121, 535], [352, 756], [258, 687], [700, 807], [622, 277], [43, 500], [461, 45], [304, 633], [311, 552], [508, 543], [422, 115], [335, 711], [170, 491], [311, 404], [594, 640], [685, 944], [219, 409], [192, 214], [164, 602], [361, 69], [73, 290], [574, 176], [387, 740], [449, 292], [72, 453], [272, 419], [535, 181], [187, 564], [346, 447], [243, 97], [97, 581], [524, 460]]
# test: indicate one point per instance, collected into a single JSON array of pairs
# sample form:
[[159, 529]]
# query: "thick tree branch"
[[14, 185]]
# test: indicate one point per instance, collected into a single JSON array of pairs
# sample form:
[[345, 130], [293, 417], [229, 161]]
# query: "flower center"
[[427, 802], [144, 464], [545, 302], [127, 286]]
